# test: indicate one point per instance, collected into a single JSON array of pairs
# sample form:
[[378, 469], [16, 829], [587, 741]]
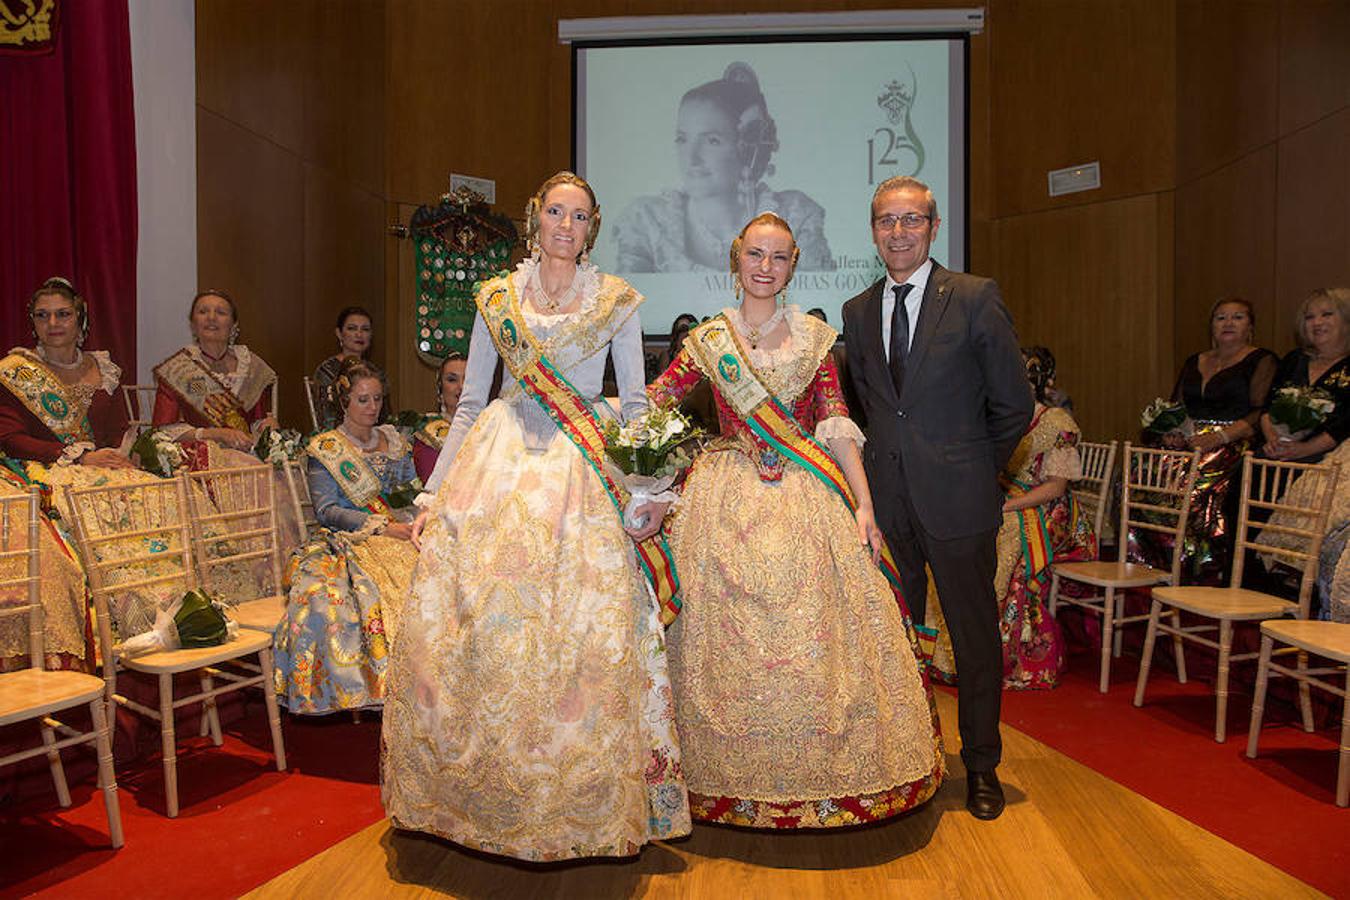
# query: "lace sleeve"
[[1062, 460], [675, 383]]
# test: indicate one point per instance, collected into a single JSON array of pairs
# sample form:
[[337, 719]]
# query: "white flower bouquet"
[[1297, 411], [159, 454], [1164, 416], [278, 445], [648, 454]]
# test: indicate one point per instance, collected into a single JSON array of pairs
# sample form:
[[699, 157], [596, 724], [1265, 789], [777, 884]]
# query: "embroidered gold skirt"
[[799, 699], [528, 710]]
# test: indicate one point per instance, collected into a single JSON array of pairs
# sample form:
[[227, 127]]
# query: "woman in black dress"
[[1322, 361], [1224, 390]]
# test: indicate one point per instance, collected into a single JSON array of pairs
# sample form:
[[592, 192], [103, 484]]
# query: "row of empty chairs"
[[1156, 487]]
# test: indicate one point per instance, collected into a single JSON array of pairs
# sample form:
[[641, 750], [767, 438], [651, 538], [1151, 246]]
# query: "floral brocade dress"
[[344, 587], [1033, 645], [529, 710], [799, 696]]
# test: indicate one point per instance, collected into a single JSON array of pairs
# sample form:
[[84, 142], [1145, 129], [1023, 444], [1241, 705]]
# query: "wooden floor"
[[1067, 832]]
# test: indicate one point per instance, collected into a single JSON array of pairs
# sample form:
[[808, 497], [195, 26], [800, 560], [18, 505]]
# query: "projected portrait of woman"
[[725, 140]]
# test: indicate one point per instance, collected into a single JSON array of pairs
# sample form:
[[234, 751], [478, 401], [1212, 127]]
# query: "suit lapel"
[[876, 348], [935, 297]]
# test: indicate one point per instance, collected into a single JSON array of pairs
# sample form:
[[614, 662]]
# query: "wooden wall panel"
[[1072, 83], [340, 217], [1314, 74], [251, 63], [291, 172], [1225, 245], [344, 89], [1313, 230], [1088, 282], [250, 204], [1227, 85]]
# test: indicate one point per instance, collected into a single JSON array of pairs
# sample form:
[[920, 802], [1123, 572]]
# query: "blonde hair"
[[536, 204], [1339, 298], [764, 218]]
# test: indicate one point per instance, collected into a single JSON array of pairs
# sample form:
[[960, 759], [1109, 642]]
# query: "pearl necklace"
[[79, 359], [541, 297], [365, 446]]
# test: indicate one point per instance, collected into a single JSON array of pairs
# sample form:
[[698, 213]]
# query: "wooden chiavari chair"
[[1155, 496], [1264, 486], [137, 538], [35, 694], [234, 539]]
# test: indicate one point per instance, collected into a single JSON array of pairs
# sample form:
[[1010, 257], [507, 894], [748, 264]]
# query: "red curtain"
[[68, 176]]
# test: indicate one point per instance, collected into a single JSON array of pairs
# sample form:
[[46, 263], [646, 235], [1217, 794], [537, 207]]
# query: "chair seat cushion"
[[1329, 639], [1224, 603], [1111, 574], [245, 643], [29, 693]]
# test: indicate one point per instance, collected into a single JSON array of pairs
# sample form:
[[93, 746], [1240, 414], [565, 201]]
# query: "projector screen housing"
[[686, 138]]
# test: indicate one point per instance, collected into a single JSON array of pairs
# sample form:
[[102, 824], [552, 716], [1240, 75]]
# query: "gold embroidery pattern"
[[528, 710], [793, 674]]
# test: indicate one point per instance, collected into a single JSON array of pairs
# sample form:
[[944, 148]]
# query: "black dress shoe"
[[984, 795]]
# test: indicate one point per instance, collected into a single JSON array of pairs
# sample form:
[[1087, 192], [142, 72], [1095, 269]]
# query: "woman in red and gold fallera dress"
[[800, 697]]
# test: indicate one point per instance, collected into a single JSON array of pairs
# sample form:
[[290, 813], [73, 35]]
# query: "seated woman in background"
[[215, 397], [354, 333], [430, 436], [333, 645], [214, 390], [1322, 361], [1042, 524], [1224, 390], [62, 421]]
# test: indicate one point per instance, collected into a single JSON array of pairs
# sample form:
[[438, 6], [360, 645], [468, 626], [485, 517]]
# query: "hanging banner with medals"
[[457, 244], [28, 27]]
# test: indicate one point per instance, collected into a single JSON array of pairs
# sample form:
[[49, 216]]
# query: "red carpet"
[[1279, 806], [243, 823]]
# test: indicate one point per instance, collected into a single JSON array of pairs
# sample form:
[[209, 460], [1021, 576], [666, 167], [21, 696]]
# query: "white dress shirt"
[[913, 303]]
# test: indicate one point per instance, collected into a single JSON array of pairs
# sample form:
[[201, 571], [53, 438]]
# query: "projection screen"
[[685, 141]]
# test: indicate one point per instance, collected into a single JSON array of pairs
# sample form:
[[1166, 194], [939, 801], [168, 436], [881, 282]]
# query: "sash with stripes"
[[354, 477], [1037, 551], [195, 385], [719, 354], [28, 378], [545, 384]]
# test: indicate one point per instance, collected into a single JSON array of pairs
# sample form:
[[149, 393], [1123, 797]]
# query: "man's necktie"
[[899, 336]]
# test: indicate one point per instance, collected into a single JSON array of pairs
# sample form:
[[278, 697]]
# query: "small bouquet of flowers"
[[1164, 416], [1297, 411], [649, 453], [159, 454], [278, 445], [194, 620]]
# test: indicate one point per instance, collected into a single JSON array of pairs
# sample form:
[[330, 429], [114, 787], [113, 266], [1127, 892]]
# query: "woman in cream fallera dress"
[[800, 697], [528, 710]]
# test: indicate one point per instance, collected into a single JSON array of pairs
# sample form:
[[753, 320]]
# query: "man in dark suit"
[[947, 400]]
